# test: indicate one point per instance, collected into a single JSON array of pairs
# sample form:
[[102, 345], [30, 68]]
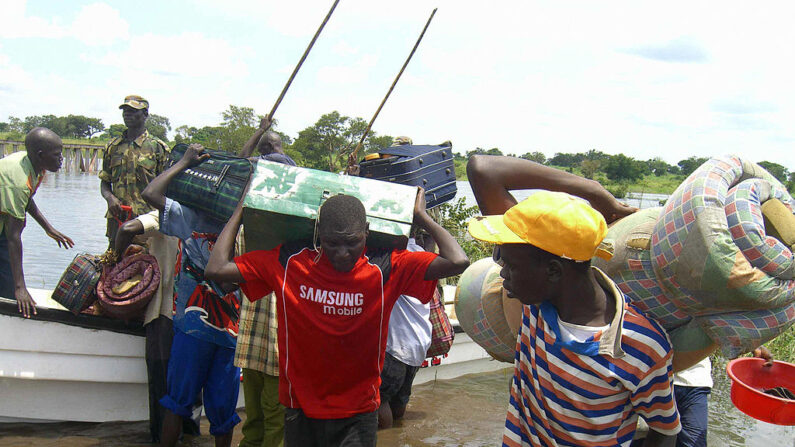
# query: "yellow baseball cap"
[[136, 102], [555, 222]]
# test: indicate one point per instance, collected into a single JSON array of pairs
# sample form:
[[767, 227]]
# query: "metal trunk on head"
[[283, 201]]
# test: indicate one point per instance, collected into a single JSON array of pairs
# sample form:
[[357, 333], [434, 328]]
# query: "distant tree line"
[[324, 145], [621, 168], [79, 126], [331, 139]]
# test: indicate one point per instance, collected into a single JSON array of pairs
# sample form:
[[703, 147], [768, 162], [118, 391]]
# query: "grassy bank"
[[783, 347], [650, 184]]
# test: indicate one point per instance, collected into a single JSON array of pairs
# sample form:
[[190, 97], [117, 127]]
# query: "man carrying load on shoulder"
[[333, 306], [257, 351], [20, 176], [588, 362], [205, 317], [406, 345]]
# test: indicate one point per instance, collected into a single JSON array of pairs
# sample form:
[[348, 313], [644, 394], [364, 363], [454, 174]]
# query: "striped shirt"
[[590, 393]]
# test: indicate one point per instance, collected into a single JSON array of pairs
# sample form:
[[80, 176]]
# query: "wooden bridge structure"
[[81, 157]]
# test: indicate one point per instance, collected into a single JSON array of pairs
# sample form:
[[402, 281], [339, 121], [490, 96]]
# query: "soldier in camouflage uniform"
[[129, 163]]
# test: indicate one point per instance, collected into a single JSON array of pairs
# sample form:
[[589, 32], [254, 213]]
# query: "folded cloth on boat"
[[126, 288]]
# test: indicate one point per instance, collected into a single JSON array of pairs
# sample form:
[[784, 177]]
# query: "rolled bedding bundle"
[[485, 312], [704, 265], [126, 288]]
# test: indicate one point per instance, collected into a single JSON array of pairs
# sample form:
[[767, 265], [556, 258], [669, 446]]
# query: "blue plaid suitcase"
[[428, 166]]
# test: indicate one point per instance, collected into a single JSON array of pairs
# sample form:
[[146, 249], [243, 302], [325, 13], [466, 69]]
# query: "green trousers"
[[264, 425]]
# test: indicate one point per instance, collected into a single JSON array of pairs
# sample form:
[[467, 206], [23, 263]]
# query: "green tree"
[[481, 151], [15, 125], [454, 217], [536, 156], [623, 168], [775, 169], [589, 168], [207, 136], [54, 123], [79, 126], [688, 165], [115, 130], [658, 166], [237, 126], [158, 126], [595, 155], [328, 143], [566, 160]]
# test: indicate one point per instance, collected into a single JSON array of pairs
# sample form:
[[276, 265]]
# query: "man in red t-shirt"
[[333, 308]]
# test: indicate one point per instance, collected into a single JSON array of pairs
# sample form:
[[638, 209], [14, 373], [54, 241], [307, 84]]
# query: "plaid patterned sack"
[[442, 333], [76, 289], [214, 187]]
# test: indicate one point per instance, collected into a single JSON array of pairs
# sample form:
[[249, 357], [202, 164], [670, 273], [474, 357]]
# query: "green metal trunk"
[[283, 201]]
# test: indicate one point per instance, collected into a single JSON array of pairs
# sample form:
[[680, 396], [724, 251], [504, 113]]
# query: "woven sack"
[[442, 333], [76, 289], [214, 187]]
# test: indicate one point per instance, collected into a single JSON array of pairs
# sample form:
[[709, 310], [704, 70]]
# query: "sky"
[[647, 79]]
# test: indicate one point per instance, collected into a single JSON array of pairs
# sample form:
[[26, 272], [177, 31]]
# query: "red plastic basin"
[[750, 377]]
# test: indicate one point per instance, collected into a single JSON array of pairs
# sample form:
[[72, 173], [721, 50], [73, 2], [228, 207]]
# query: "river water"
[[468, 411]]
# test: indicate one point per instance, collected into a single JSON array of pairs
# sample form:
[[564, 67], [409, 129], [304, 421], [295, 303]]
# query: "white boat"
[[62, 367]]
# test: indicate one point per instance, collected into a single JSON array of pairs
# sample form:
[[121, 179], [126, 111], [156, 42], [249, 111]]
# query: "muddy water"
[[468, 411], [73, 205]]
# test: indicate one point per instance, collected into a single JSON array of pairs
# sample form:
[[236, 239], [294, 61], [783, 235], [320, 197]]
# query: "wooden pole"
[[352, 158], [301, 62]]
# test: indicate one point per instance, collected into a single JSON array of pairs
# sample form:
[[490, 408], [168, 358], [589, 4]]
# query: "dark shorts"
[[6, 280], [396, 380], [355, 431]]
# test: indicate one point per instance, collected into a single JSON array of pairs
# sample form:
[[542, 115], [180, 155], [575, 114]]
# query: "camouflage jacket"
[[130, 166]]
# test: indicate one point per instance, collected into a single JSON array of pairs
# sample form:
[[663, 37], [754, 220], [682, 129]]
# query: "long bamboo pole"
[[352, 157], [301, 62]]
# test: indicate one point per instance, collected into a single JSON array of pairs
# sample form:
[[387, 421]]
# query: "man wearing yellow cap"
[[588, 362]]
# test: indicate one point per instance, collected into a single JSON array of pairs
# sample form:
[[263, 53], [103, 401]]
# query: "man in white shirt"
[[407, 343]]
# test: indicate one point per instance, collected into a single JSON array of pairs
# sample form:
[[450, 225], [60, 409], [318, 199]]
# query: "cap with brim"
[[555, 222], [493, 229], [136, 102]]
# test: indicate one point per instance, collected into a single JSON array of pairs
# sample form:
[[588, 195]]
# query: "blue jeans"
[[692, 405], [197, 365]]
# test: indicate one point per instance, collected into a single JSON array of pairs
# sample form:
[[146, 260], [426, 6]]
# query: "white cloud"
[[354, 73], [16, 24], [189, 55], [98, 24], [343, 48], [518, 75]]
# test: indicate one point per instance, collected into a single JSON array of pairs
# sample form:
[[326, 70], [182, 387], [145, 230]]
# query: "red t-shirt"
[[333, 325]]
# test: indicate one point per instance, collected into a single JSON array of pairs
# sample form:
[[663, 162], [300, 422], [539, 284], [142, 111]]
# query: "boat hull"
[[61, 367], [53, 372]]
